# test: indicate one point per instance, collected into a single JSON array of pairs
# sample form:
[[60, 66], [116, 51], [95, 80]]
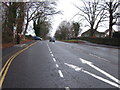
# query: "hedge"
[[105, 41]]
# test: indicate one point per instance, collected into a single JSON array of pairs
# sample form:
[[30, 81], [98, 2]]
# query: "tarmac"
[[7, 52]]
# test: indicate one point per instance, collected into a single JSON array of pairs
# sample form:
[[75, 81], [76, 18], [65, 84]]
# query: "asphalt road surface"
[[63, 65]]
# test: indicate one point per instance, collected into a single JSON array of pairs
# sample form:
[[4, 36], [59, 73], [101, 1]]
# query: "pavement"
[[7, 52], [64, 66]]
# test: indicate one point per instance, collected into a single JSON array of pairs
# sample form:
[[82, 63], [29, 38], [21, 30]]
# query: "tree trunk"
[[11, 21], [91, 31], [20, 19], [25, 30], [110, 20]]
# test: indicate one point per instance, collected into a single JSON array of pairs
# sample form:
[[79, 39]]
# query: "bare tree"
[[35, 10], [94, 13], [112, 8], [9, 18]]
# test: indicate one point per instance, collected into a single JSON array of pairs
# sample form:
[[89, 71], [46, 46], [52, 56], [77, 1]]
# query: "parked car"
[[37, 38], [52, 39]]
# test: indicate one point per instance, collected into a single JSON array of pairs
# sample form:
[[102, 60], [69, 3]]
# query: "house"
[[107, 32], [97, 34]]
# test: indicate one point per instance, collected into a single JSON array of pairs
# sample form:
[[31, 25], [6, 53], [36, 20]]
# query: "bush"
[[6, 38]]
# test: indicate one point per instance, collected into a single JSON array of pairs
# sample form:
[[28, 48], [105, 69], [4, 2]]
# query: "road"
[[63, 65]]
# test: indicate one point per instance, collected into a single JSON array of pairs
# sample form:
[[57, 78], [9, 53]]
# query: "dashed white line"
[[60, 73], [52, 55], [50, 52], [54, 59], [57, 65], [99, 57], [67, 88], [49, 48]]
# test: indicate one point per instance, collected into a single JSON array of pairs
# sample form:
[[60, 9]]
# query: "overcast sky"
[[69, 10]]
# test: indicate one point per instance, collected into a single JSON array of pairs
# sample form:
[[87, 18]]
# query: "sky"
[[68, 11]]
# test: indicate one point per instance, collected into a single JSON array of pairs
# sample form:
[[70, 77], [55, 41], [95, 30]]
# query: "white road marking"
[[54, 59], [49, 48], [50, 52], [99, 57], [93, 75], [21, 45], [57, 65], [67, 88], [73, 66], [52, 55], [60, 73], [100, 70], [102, 79], [47, 45]]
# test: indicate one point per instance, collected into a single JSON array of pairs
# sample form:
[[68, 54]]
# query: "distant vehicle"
[[37, 38], [52, 39]]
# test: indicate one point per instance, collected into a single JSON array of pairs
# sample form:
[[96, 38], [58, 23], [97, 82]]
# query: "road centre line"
[[49, 48], [8, 63], [67, 88], [54, 59], [52, 55], [93, 75], [100, 70], [60, 73], [57, 65]]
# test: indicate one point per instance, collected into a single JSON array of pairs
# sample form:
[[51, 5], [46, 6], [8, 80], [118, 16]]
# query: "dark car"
[[52, 39], [37, 38]]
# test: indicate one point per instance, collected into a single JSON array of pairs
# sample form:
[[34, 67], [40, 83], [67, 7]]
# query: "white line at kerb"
[[60, 73], [99, 57]]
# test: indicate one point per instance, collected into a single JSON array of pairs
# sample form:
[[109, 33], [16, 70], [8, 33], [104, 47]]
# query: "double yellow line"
[[5, 68]]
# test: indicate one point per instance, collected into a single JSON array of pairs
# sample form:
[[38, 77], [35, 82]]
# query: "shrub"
[[105, 41]]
